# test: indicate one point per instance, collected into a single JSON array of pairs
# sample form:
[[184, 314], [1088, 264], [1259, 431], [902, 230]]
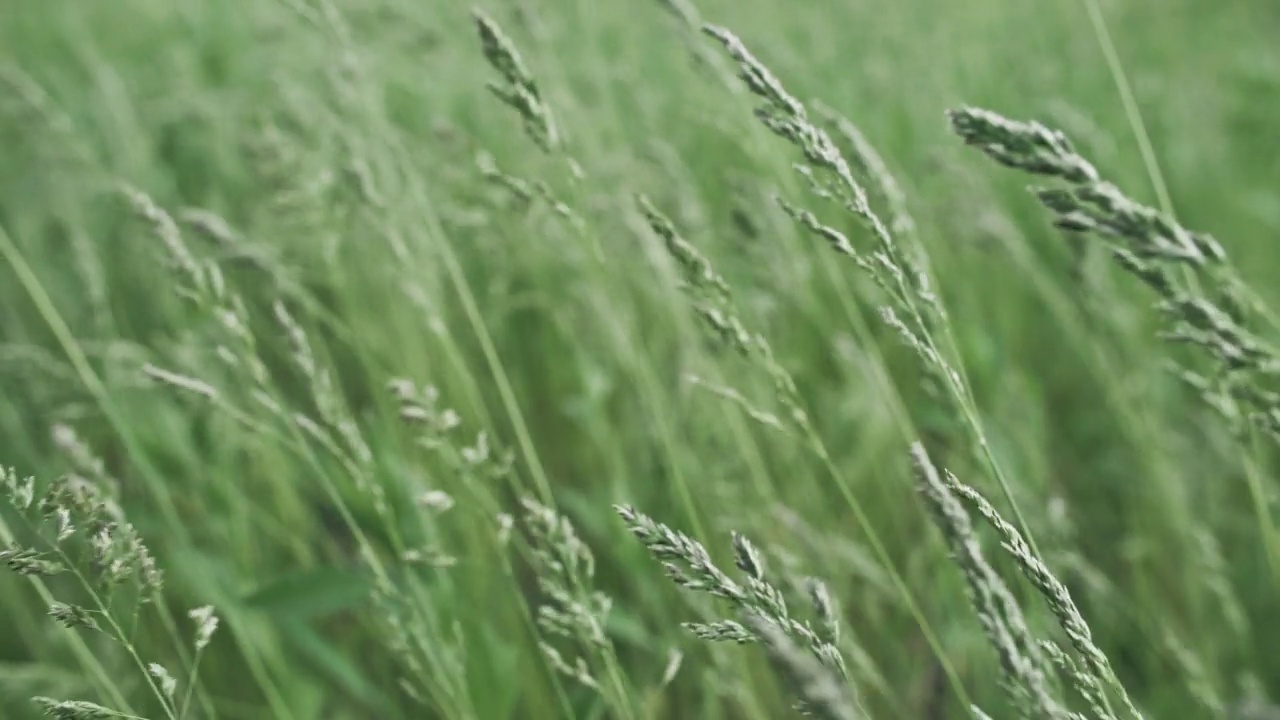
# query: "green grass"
[[341, 143]]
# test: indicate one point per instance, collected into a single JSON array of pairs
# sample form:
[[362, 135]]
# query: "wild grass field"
[[570, 359]]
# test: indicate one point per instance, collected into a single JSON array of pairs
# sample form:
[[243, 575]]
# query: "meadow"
[[664, 359]]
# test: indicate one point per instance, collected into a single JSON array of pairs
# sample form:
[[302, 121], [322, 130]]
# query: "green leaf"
[[310, 593]]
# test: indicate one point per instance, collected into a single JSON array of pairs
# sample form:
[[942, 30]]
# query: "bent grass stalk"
[[894, 270], [521, 92], [713, 303], [84, 655], [77, 510], [1092, 675], [210, 293], [150, 474], [1202, 299], [757, 602]]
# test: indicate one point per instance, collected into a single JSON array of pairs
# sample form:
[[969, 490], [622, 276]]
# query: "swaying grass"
[[73, 529], [302, 329]]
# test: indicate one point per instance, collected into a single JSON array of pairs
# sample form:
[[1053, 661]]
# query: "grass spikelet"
[[736, 398], [526, 192], [690, 566], [564, 564], [828, 171], [19, 491], [112, 576], [440, 431], [1201, 296], [1002, 620], [203, 284], [1027, 146], [1054, 592], [573, 610], [211, 226], [185, 383], [435, 671], [865, 158], [73, 616], [713, 301], [26, 561], [78, 710], [696, 269], [330, 406], [825, 608], [81, 457], [822, 692], [166, 230], [206, 625], [168, 684], [518, 88]]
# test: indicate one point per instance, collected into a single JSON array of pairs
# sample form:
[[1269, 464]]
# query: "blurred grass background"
[[280, 115]]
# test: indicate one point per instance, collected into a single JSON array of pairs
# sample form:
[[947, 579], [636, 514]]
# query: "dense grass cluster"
[[660, 360]]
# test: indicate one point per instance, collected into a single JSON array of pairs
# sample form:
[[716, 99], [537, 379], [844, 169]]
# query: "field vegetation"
[[666, 359]]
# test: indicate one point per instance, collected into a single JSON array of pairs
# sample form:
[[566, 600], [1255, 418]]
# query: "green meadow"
[[573, 359]]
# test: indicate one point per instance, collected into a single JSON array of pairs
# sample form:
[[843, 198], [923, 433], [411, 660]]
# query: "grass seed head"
[[1027, 146], [73, 616], [206, 625], [518, 88], [77, 710]]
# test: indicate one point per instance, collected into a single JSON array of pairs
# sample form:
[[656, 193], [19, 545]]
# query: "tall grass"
[[411, 345]]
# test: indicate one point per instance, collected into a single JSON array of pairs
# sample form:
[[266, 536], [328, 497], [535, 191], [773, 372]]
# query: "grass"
[[362, 356]]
